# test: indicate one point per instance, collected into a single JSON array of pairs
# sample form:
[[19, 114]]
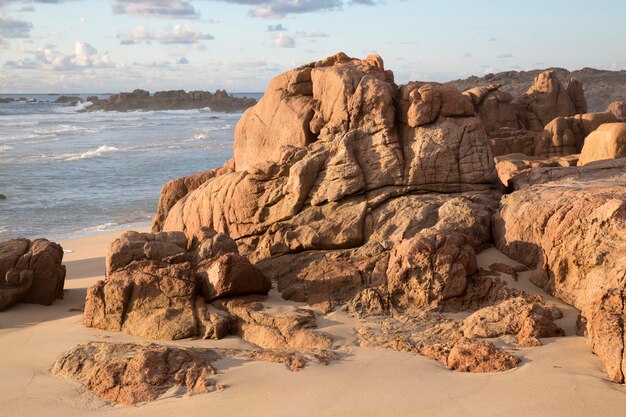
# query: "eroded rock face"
[[607, 142], [176, 189], [570, 225], [30, 272], [566, 135], [153, 280]]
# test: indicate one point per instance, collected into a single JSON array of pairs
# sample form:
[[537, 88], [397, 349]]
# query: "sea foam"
[[101, 150]]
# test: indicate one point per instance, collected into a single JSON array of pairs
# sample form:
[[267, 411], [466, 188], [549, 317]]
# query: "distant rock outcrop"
[[600, 87], [170, 100], [30, 272]]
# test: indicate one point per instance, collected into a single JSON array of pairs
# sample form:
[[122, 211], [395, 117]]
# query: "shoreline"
[[561, 378]]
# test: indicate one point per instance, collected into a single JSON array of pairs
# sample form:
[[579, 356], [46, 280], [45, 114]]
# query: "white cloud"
[[166, 9], [281, 40], [48, 58], [179, 34], [275, 9]]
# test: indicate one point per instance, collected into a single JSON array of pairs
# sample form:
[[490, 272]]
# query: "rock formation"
[[170, 100], [363, 149], [600, 87], [30, 272], [348, 190], [569, 224]]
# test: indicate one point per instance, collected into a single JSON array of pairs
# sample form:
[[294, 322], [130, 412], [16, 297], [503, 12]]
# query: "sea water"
[[67, 173]]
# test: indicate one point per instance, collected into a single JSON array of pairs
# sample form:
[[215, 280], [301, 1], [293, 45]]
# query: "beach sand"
[[561, 378]]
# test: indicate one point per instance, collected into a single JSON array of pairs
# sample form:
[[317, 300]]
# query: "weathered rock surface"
[[566, 135], [153, 280], [570, 225], [177, 189], [30, 272], [170, 100], [607, 142], [546, 100], [323, 164]]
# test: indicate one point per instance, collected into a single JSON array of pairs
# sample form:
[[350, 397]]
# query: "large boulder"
[[569, 225], [30, 272], [325, 160], [607, 142], [153, 283]]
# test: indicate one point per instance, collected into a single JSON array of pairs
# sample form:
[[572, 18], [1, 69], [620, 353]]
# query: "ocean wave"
[[5, 148], [101, 150]]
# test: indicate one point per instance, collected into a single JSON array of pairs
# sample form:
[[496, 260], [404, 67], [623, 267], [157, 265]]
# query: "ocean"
[[68, 174]]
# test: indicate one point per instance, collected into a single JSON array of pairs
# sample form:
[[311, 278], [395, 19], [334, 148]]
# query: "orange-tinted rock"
[[232, 275], [547, 99], [478, 356], [519, 316], [176, 189], [571, 227], [607, 142]]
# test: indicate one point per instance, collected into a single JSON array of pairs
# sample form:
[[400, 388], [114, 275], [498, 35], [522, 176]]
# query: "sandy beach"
[[561, 378]]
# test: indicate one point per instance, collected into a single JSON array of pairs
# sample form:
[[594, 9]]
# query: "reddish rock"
[[30, 272]]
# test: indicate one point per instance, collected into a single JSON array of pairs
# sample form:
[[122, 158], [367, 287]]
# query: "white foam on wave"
[[5, 148], [101, 150]]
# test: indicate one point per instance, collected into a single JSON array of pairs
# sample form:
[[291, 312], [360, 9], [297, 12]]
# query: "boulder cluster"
[[348, 191]]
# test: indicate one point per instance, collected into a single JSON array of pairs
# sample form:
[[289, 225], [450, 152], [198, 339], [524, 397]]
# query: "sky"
[[107, 46]]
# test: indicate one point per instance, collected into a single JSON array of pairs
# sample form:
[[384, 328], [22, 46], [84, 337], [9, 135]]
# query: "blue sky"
[[118, 45]]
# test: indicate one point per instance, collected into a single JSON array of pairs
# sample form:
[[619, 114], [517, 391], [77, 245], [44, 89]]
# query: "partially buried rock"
[[30, 272], [128, 373]]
